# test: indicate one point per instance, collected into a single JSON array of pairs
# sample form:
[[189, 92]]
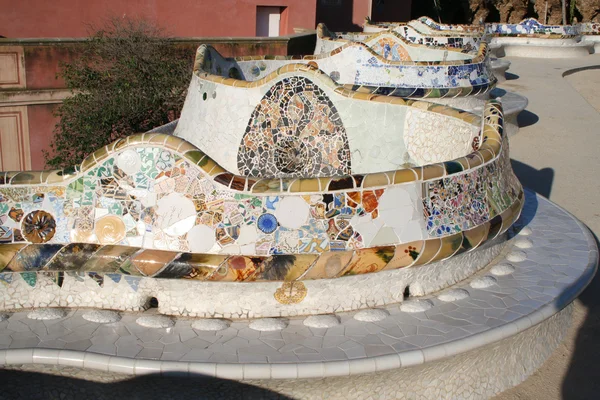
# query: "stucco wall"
[[185, 18]]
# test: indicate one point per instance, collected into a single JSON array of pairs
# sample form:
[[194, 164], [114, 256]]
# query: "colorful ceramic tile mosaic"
[[402, 44], [466, 43], [295, 131], [155, 205], [426, 26], [358, 67], [589, 28], [530, 27], [296, 109]]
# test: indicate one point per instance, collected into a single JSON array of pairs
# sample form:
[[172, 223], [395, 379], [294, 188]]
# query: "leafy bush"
[[130, 78]]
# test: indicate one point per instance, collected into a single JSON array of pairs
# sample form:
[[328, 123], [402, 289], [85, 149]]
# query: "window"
[[269, 21]]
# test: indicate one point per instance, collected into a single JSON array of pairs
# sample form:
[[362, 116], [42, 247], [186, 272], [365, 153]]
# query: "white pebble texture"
[[372, 315], [516, 256], [524, 243], [101, 316], [321, 321], [413, 306], [483, 282], [268, 324], [502, 269], [453, 295], [155, 321], [210, 324], [47, 313]]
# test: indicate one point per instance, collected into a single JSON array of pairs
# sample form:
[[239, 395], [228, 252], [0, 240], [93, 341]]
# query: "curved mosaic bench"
[[415, 34], [387, 44], [402, 44], [590, 32], [282, 100], [427, 26], [155, 206], [530, 38], [357, 68], [473, 346], [532, 28]]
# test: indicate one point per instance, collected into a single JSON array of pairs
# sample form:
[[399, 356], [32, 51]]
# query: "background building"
[[193, 18], [40, 34]]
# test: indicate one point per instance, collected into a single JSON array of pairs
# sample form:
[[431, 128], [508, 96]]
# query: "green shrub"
[[130, 78]]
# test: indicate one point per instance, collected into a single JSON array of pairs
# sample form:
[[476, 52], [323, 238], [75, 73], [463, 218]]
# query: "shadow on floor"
[[538, 180], [527, 118], [510, 77], [582, 380], [32, 386]]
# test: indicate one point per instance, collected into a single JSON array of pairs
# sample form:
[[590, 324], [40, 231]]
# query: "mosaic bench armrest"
[[402, 44], [297, 122], [530, 27], [426, 26], [154, 205], [589, 28]]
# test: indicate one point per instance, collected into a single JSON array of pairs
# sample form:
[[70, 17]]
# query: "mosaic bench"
[[284, 251], [532, 27], [590, 32], [467, 43], [154, 216], [358, 68], [390, 45], [394, 46], [530, 38], [278, 96], [427, 26]]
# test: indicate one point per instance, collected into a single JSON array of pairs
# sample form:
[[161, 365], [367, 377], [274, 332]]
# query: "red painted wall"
[[349, 15], [183, 18], [41, 128]]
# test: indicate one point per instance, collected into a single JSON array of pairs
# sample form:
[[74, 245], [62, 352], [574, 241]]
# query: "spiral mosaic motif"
[[295, 131], [38, 226], [110, 229]]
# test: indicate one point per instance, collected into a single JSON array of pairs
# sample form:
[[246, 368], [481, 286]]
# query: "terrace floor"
[[555, 153]]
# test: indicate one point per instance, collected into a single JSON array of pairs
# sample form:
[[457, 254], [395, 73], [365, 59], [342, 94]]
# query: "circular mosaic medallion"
[[291, 293], [38, 226], [110, 229], [267, 223], [129, 162]]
